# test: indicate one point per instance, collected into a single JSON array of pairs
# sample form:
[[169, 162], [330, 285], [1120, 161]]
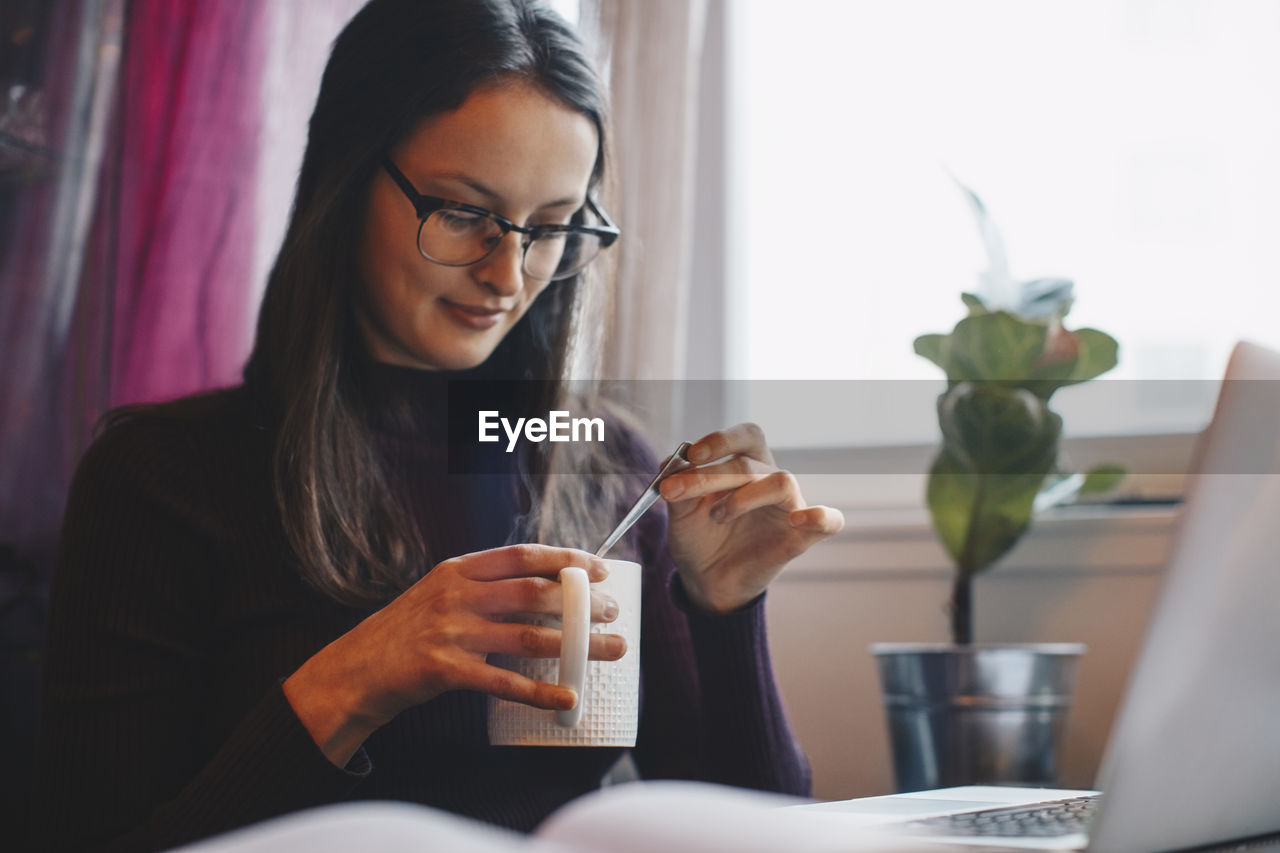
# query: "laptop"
[[1194, 755]]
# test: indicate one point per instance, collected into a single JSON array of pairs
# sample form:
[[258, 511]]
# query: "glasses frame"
[[425, 205]]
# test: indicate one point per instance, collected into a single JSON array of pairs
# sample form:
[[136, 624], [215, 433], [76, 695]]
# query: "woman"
[[279, 595]]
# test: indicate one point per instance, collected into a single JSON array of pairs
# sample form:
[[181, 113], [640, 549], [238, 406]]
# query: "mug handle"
[[575, 627]]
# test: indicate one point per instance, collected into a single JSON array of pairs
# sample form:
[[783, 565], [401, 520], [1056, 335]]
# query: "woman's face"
[[510, 149]]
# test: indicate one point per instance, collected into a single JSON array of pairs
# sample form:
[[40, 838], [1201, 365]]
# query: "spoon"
[[676, 462]]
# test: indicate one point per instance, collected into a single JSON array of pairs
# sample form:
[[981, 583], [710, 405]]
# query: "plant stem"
[[962, 589], [962, 610]]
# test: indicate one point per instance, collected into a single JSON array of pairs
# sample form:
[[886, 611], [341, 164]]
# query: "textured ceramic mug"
[[608, 708]]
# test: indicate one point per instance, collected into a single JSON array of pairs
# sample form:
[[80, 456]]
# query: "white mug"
[[608, 709]]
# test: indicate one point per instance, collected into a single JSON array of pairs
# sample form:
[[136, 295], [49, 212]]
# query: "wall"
[[1081, 575]]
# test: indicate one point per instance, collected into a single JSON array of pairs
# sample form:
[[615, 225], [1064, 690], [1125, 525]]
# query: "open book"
[[639, 817]]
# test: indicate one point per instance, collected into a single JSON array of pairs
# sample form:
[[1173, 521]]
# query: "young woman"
[[282, 595]]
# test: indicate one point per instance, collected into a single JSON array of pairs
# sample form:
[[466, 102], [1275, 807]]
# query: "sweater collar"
[[407, 400]]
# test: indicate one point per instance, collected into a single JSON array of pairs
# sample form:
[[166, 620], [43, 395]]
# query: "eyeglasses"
[[457, 235]]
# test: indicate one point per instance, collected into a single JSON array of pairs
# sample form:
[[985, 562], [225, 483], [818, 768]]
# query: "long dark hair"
[[396, 62]]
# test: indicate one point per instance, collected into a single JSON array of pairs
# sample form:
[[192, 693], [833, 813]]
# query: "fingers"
[[823, 520], [538, 641], [810, 526], [525, 560], [740, 439], [778, 489], [515, 687], [709, 479], [535, 595], [747, 480]]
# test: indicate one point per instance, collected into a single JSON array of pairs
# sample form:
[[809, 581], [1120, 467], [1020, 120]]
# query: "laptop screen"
[[1195, 754]]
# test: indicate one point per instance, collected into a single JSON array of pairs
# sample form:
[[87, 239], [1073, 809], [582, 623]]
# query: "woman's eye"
[[461, 221]]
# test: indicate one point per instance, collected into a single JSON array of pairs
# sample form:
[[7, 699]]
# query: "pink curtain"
[[185, 224], [126, 251], [129, 223]]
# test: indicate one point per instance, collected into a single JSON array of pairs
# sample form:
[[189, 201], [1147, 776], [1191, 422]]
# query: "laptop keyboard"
[[1043, 820]]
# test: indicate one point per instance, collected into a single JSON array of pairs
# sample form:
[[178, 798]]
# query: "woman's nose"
[[502, 271]]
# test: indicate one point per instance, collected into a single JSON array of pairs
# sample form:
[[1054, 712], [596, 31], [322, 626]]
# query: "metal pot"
[[976, 715]]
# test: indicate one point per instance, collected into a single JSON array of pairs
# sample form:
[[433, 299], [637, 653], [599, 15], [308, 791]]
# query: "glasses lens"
[[561, 255], [457, 237]]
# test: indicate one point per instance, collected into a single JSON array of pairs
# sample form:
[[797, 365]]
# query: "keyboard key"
[[1061, 817]]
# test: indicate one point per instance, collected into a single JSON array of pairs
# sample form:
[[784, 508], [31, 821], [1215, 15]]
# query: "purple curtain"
[[185, 221], [127, 228], [129, 150], [52, 141]]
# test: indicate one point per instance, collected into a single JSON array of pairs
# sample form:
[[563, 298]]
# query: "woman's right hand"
[[434, 637]]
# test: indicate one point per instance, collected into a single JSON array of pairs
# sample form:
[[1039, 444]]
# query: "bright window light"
[[1129, 145]]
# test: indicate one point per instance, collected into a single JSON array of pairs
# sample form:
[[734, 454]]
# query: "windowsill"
[[1070, 520], [1071, 540], [892, 478]]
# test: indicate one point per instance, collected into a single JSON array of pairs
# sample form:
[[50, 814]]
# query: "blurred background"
[[786, 178]]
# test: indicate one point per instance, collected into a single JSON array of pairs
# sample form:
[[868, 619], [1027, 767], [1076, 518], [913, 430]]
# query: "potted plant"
[[965, 713]]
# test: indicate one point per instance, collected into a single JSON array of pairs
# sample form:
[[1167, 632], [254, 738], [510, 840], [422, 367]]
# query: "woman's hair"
[[395, 63]]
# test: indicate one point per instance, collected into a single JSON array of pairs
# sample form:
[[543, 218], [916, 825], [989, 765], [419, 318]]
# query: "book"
[[637, 817]]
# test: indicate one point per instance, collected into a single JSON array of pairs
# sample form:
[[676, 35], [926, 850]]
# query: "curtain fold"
[[59, 77], [50, 187], [185, 223], [128, 234], [148, 153], [649, 51], [146, 161]]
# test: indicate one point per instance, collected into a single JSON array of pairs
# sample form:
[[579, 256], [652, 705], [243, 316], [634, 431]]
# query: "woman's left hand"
[[737, 519]]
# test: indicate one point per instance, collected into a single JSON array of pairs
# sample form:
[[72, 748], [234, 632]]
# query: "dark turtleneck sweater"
[[178, 611]]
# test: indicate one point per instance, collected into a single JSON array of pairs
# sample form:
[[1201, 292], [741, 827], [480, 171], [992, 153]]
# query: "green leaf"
[[1099, 352], [1001, 518], [1103, 478], [974, 303], [950, 496], [1047, 378], [978, 517], [999, 444], [996, 346], [998, 428], [934, 348]]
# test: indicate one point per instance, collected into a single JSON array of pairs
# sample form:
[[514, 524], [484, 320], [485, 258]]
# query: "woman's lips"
[[474, 316]]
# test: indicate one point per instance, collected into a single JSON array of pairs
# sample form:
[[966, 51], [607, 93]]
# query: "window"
[[1129, 145]]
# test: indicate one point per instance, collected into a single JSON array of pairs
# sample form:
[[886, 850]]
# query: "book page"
[[386, 827], [693, 817]]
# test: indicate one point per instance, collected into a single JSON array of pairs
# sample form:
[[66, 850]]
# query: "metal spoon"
[[676, 462]]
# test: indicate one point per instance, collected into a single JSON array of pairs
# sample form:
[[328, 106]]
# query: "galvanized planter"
[[976, 715]]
